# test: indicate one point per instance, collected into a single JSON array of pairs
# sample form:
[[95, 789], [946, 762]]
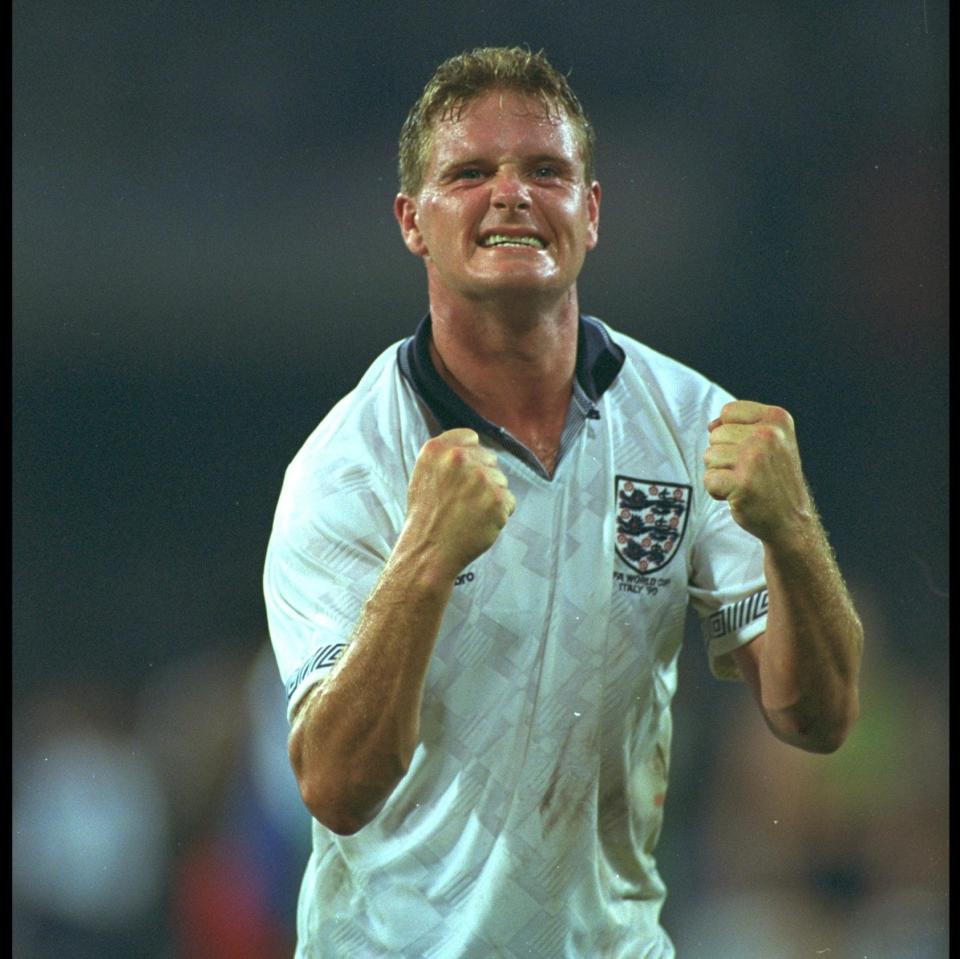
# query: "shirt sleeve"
[[727, 586], [331, 537]]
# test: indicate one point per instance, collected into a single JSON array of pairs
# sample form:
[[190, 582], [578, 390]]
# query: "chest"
[[587, 584]]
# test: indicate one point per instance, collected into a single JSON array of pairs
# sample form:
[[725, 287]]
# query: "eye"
[[469, 173], [545, 171]]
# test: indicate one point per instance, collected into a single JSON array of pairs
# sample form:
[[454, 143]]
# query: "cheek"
[[575, 213], [591, 236], [580, 229], [443, 218], [589, 230]]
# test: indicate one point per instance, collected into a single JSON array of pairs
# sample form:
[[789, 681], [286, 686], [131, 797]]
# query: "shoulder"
[[655, 367], [363, 444], [681, 394]]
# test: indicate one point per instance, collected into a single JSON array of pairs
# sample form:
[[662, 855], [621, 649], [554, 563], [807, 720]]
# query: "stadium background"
[[204, 260]]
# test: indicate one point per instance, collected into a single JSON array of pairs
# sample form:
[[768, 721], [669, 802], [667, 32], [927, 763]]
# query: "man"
[[481, 560]]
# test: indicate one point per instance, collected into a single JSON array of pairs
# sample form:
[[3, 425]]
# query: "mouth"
[[531, 240]]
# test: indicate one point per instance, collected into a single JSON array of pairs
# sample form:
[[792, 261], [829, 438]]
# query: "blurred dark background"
[[205, 259]]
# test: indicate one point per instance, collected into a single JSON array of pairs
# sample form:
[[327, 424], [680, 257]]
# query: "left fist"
[[753, 463]]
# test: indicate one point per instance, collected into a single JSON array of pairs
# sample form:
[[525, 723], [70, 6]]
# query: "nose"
[[510, 192]]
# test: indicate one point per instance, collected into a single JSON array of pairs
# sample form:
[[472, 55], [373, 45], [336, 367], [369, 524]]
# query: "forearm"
[[804, 668], [811, 651], [353, 740]]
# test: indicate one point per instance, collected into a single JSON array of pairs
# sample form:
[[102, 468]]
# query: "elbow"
[[328, 806], [341, 799], [825, 740], [335, 813], [817, 728]]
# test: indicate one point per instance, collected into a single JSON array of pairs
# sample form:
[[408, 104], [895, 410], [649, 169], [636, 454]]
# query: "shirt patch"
[[323, 657], [651, 520]]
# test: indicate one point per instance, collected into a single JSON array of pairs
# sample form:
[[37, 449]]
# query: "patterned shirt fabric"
[[526, 824]]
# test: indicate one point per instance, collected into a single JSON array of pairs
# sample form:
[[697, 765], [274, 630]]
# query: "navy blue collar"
[[599, 360]]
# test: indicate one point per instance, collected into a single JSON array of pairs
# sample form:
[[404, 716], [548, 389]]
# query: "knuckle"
[[780, 418], [436, 446], [769, 435]]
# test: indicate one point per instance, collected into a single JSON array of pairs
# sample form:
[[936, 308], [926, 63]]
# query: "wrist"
[[797, 544], [423, 568]]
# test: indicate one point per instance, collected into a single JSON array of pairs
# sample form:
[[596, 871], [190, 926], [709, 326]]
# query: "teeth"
[[498, 239]]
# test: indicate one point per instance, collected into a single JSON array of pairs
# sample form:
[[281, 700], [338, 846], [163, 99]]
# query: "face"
[[503, 209]]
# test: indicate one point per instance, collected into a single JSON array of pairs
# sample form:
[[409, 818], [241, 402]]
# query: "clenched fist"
[[753, 463], [457, 500]]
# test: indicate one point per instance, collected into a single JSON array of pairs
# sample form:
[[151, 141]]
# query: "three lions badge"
[[651, 520]]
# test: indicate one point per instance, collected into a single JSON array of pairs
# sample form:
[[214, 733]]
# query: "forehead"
[[502, 123]]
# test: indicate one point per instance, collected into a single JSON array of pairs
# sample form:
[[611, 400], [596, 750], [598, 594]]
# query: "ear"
[[593, 214], [405, 210]]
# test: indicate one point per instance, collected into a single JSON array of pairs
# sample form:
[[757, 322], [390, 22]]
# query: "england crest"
[[651, 520]]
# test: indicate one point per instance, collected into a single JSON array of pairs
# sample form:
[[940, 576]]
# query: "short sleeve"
[[332, 534]]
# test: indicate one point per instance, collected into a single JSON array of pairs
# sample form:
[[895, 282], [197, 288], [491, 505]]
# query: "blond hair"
[[467, 76]]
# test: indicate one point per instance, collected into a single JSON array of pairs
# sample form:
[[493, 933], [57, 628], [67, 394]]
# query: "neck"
[[514, 367]]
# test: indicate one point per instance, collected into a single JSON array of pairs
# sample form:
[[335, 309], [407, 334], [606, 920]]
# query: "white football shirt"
[[526, 824]]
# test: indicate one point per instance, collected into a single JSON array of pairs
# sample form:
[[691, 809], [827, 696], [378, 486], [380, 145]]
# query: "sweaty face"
[[503, 209]]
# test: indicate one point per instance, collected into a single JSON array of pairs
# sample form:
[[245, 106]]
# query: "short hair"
[[467, 76]]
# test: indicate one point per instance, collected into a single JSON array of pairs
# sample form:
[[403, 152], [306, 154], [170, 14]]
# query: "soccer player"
[[481, 560]]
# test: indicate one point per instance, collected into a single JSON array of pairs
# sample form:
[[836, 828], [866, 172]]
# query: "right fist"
[[457, 501]]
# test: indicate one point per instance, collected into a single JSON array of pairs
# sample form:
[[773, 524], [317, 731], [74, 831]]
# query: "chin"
[[520, 281]]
